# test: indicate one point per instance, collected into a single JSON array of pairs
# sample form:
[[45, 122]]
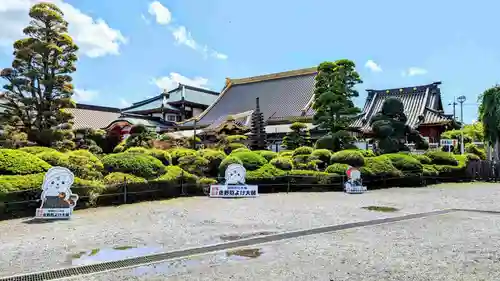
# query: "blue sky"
[[131, 47]]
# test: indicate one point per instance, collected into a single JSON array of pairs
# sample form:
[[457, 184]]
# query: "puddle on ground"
[[381, 208], [100, 255], [234, 237], [187, 264]]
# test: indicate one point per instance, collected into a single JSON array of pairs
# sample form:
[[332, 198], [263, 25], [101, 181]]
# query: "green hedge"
[[140, 165], [422, 158], [267, 172], [82, 163], [215, 158], [283, 163], [251, 160], [120, 178], [226, 162], [324, 155], [303, 150], [194, 164], [441, 158], [175, 174], [379, 166], [350, 157], [17, 162], [405, 162], [177, 153], [267, 154], [12, 183], [37, 149], [337, 168]]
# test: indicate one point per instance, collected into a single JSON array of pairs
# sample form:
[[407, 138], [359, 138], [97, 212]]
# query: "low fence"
[[23, 203]]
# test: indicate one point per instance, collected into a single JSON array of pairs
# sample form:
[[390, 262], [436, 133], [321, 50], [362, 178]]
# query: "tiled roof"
[[91, 116], [148, 121], [190, 94], [281, 95], [422, 105]]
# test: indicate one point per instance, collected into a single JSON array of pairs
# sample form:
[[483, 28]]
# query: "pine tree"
[[258, 137], [299, 136], [334, 90], [39, 83]]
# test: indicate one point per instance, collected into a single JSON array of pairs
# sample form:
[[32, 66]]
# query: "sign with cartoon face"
[[353, 184], [234, 186], [57, 200]]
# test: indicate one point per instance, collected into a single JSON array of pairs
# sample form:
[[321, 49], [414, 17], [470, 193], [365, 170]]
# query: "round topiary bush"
[[240, 149], [285, 153], [37, 149], [226, 162], [175, 174], [137, 149], [55, 158], [322, 154], [194, 164], [349, 157], [120, 178], [266, 172], [367, 153], [161, 155], [379, 166], [267, 154], [405, 162], [141, 165], [422, 158], [177, 153], [233, 146], [11, 183], [282, 163], [337, 168], [251, 160], [441, 158], [16, 162], [472, 148], [303, 150], [214, 157]]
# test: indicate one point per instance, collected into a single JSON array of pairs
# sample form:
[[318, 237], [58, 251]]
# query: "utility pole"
[[454, 103], [461, 100]]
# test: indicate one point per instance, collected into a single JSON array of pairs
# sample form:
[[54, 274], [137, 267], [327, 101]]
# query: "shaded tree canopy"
[[39, 86], [299, 136], [489, 114]]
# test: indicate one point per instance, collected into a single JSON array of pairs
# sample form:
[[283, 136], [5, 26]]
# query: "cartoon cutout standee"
[[354, 183], [57, 199]]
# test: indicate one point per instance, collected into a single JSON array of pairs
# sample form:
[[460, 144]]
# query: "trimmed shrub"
[[405, 162], [267, 154], [309, 166], [16, 162], [37, 149], [141, 165], [55, 158], [119, 178], [472, 148], [177, 153], [303, 150], [422, 158], [236, 138], [241, 149], [282, 163], [10, 183], [161, 155], [321, 157], [441, 158], [137, 149], [251, 160], [429, 170], [349, 157], [312, 177], [90, 156], [267, 171], [233, 146], [285, 153], [194, 164], [207, 181], [174, 174], [226, 162], [82, 166], [337, 168], [379, 166], [214, 157], [367, 152]]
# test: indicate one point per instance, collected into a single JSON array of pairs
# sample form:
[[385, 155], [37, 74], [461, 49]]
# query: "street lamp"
[[461, 100]]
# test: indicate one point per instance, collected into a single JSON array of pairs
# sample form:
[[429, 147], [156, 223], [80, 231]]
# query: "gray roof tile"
[[95, 117]]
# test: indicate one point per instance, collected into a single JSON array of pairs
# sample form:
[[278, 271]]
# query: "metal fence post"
[[287, 182], [182, 182], [124, 190]]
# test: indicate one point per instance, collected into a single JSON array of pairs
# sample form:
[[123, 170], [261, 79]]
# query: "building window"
[[178, 117], [171, 117]]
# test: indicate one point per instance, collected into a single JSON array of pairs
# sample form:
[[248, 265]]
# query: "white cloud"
[[146, 20], [172, 81], [94, 36], [81, 95], [124, 103], [182, 36], [218, 55], [414, 71], [161, 13], [373, 66]]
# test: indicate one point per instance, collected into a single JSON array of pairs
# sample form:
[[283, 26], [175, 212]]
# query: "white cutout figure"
[[57, 189], [235, 174], [353, 184]]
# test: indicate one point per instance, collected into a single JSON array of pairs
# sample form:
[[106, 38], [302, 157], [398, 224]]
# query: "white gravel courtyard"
[[432, 248]]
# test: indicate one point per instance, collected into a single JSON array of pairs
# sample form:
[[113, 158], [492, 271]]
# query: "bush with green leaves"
[[266, 172], [285, 153], [17, 162], [120, 178], [282, 163], [37, 149], [441, 158], [229, 148], [177, 153], [194, 164], [405, 162], [241, 149], [349, 157], [297, 137], [214, 157], [379, 166], [323, 156], [175, 174], [267, 154], [206, 181], [472, 148], [251, 160], [312, 177], [429, 170], [337, 168], [140, 165], [303, 150], [367, 152], [422, 158], [82, 163]]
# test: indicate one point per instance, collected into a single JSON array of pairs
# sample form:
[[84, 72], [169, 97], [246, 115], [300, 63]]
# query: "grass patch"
[[381, 209]]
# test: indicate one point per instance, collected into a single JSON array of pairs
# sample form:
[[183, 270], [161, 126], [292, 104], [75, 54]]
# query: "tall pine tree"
[[333, 104], [39, 84]]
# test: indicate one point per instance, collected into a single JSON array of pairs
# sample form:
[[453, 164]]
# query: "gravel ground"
[[186, 222], [457, 246]]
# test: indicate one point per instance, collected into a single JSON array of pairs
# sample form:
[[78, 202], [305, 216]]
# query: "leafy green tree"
[[489, 114], [333, 104], [39, 83], [299, 136], [140, 136]]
